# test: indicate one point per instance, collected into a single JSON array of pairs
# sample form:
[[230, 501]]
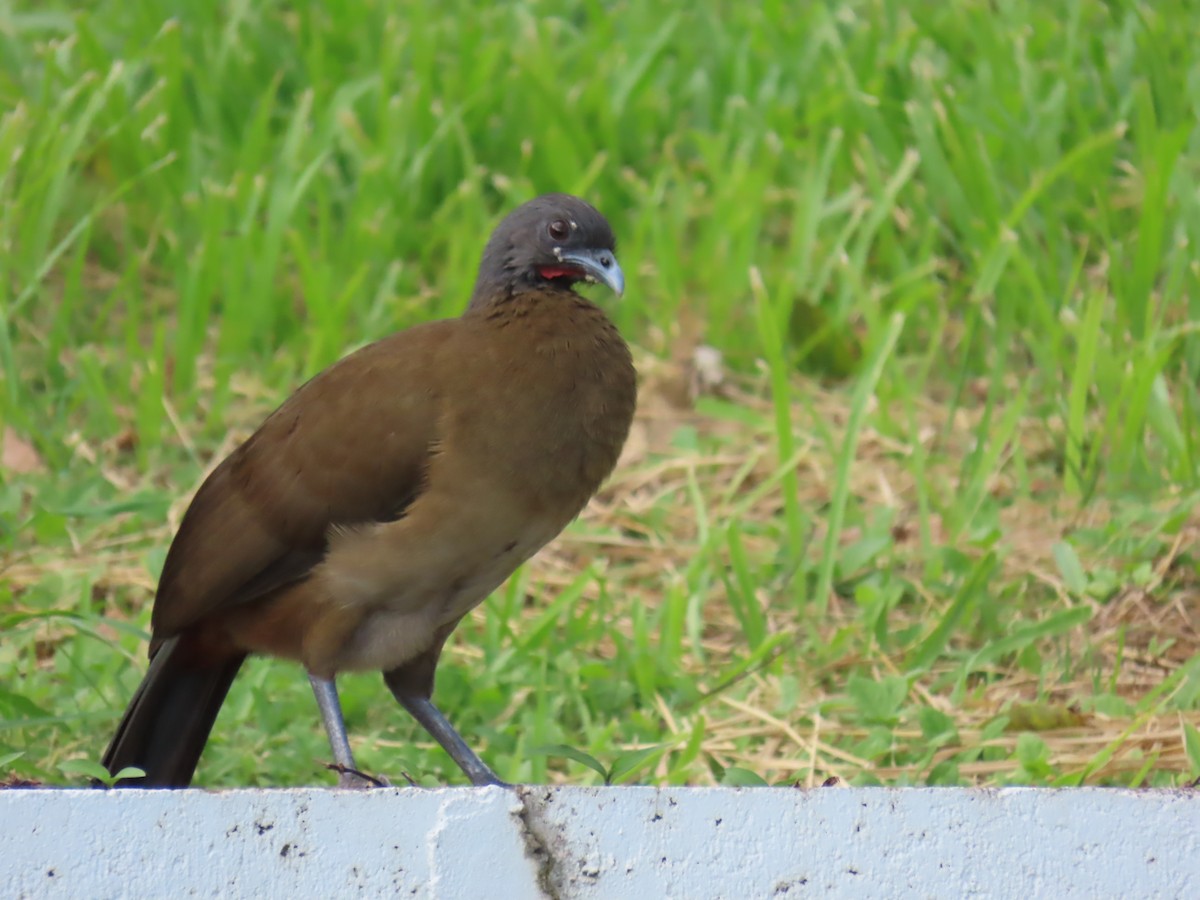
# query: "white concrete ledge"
[[611, 843]]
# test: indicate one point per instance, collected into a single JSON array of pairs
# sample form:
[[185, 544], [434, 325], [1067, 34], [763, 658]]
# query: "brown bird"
[[390, 495]]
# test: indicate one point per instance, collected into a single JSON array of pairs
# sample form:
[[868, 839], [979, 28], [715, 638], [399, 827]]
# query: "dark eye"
[[559, 230]]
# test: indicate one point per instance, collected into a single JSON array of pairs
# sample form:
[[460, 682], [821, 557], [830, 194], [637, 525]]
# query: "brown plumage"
[[391, 494]]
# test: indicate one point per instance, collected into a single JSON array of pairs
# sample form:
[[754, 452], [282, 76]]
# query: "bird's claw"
[[352, 779]]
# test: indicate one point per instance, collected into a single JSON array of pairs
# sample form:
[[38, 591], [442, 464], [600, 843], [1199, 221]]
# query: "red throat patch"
[[560, 272]]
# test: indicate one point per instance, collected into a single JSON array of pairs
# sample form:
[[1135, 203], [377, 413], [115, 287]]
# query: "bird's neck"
[[500, 301], [489, 293]]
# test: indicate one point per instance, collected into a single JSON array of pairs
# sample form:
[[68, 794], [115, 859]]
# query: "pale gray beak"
[[600, 266]]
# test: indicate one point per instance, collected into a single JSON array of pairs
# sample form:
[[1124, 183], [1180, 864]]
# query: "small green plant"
[[623, 766], [95, 772]]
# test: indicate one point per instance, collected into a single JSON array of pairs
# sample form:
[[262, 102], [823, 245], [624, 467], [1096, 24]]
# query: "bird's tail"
[[170, 716]]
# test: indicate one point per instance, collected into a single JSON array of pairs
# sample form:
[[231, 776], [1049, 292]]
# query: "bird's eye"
[[559, 230]]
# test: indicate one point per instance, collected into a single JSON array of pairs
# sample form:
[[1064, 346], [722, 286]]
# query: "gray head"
[[552, 242]]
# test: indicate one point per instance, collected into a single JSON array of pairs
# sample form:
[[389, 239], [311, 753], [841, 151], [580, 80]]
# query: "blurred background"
[[913, 293]]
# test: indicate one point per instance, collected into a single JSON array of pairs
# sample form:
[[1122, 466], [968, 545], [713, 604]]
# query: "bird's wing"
[[350, 446]]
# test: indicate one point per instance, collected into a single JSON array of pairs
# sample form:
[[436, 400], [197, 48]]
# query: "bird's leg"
[[422, 709], [335, 726]]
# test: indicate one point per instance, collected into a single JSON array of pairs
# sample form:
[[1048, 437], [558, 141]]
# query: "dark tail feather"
[[170, 716]]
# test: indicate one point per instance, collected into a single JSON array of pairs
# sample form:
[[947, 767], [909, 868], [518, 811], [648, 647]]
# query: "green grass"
[[933, 524]]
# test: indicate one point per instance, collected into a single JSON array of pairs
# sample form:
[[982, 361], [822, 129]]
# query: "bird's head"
[[554, 241]]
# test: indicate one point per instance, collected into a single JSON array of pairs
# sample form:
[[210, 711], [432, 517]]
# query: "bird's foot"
[[354, 780]]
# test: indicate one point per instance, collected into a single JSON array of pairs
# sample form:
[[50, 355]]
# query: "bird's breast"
[[556, 410]]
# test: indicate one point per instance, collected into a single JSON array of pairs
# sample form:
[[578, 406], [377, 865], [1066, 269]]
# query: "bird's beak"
[[598, 266]]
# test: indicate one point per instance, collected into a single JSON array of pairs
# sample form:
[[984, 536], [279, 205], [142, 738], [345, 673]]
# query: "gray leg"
[[432, 720], [335, 726]]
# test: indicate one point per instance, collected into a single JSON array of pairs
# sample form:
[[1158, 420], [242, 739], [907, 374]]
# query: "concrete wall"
[[610, 843]]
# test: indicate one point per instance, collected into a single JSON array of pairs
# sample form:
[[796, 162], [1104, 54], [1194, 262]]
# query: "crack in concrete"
[[537, 842]]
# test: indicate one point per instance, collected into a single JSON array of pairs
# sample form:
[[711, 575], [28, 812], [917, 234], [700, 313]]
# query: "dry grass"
[[1135, 634]]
